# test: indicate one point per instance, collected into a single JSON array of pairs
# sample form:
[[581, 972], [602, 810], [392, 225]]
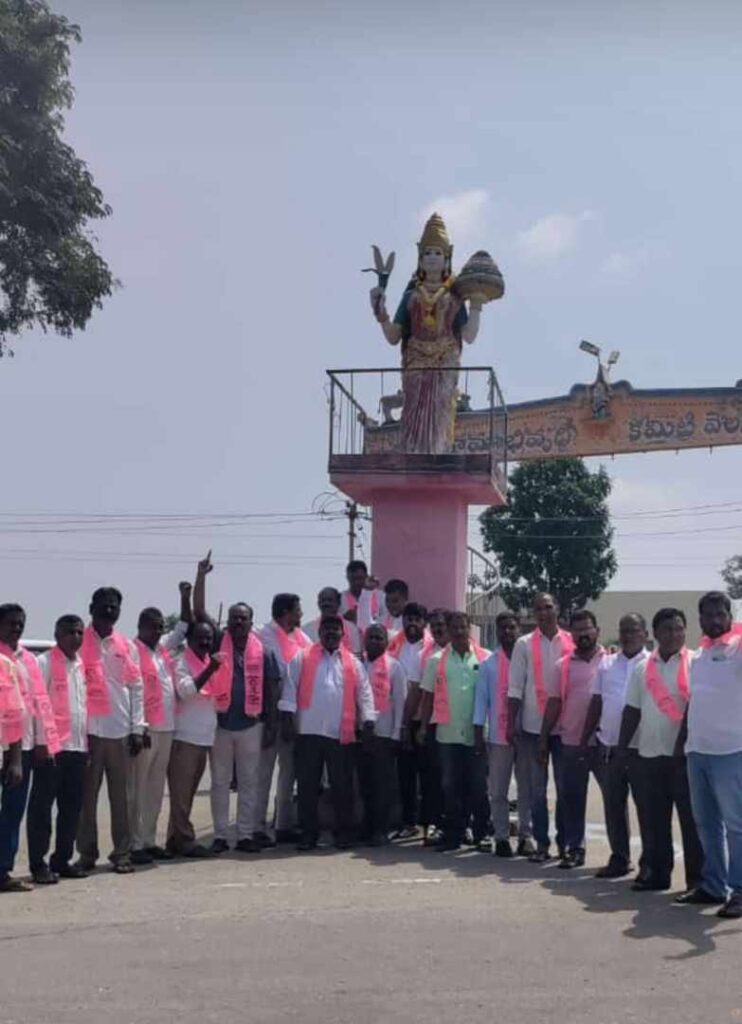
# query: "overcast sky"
[[252, 152]]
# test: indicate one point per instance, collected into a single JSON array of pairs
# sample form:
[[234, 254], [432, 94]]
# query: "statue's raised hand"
[[378, 304]]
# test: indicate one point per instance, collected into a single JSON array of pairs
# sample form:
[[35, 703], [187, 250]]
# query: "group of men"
[[382, 703]]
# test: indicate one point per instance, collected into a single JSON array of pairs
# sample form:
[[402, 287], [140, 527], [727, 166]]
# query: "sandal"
[[123, 867], [9, 884]]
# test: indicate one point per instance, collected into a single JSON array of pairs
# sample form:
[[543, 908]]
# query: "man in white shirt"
[[148, 771], [363, 602], [604, 715], [396, 597], [18, 753], [195, 727], [113, 737], [531, 667], [656, 699], [61, 779], [284, 639], [319, 729], [328, 602], [376, 757], [408, 649], [714, 750]]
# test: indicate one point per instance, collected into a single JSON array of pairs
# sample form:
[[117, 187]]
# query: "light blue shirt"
[[485, 698]]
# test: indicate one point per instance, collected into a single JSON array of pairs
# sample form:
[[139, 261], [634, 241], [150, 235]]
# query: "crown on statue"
[[435, 236]]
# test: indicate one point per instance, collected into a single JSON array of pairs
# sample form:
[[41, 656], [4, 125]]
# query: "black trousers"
[[663, 784], [418, 771], [464, 780], [375, 765], [311, 755], [617, 778], [61, 780]]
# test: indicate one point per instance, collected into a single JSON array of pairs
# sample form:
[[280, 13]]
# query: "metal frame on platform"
[[342, 390]]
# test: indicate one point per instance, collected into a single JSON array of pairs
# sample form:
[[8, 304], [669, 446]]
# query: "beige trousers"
[[146, 788]]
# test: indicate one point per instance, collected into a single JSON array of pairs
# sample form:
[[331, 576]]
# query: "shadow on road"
[[654, 914]]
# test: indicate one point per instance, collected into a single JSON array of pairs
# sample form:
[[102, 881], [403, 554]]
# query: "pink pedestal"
[[420, 525]]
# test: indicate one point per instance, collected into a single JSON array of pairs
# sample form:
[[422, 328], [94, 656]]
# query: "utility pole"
[[351, 511]]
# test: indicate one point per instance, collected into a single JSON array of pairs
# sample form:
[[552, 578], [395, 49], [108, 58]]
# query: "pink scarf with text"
[[154, 698], [501, 699], [12, 707], [36, 698], [441, 704], [380, 679], [99, 699], [220, 685]]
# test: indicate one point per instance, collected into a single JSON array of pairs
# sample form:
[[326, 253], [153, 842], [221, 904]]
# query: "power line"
[[600, 536], [698, 510]]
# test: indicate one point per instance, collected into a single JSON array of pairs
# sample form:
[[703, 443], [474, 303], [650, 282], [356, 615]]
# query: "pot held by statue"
[[480, 279]]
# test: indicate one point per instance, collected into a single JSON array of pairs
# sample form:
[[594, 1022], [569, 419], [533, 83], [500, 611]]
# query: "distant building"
[[611, 605], [608, 609]]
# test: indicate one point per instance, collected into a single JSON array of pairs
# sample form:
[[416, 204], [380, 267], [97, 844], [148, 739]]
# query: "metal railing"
[[366, 408], [482, 586]]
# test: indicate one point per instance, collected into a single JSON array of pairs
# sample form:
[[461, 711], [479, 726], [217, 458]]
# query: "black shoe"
[[306, 844], [379, 839], [70, 871], [732, 908], [699, 897], [405, 832], [266, 842], [218, 846], [613, 869], [159, 853], [649, 885], [142, 857], [525, 848], [288, 835], [578, 857], [568, 861], [85, 864], [541, 856], [503, 848], [196, 852], [248, 845], [447, 845], [44, 876]]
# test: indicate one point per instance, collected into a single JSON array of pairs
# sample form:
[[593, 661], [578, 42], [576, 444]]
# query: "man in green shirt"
[[448, 690]]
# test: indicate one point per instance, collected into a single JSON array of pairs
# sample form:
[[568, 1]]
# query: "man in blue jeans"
[[714, 750], [569, 693]]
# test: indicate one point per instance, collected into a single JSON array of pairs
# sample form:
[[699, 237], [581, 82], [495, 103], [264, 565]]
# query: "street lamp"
[[594, 350]]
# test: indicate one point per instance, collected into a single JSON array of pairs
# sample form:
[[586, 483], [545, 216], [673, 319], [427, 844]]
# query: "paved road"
[[397, 935]]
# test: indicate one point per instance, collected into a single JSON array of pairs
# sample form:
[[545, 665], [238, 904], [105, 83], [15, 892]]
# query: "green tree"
[[555, 534], [50, 273], [731, 573]]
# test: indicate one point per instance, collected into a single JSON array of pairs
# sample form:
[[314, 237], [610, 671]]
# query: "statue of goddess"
[[431, 323]]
